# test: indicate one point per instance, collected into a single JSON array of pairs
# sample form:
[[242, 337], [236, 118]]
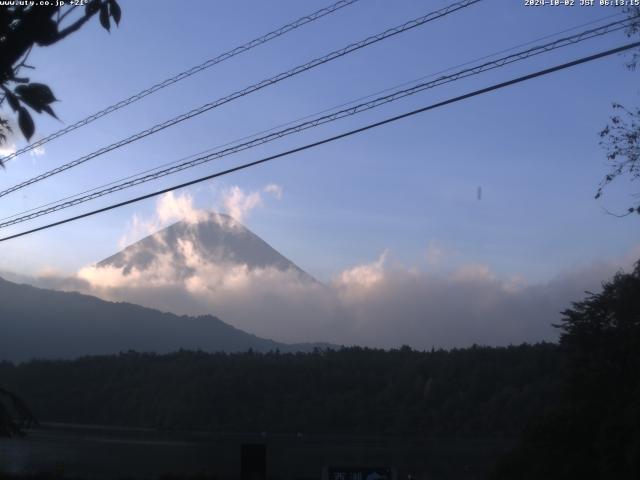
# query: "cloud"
[[170, 208], [274, 189], [361, 279], [436, 253], [473, 272], [239, 204], [374, 303]]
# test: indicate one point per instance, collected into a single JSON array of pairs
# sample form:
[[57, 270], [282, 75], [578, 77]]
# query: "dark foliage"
[[621, 137], [634, 29], [595, 434], [474, 391], [621, 140], [15, 416], [21, 28]]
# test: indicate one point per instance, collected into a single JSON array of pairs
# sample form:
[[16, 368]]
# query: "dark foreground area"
[[432, 415], [574, 408], [66, 451]]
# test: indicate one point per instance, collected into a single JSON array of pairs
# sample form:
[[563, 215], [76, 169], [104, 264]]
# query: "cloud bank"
[[380, 303]]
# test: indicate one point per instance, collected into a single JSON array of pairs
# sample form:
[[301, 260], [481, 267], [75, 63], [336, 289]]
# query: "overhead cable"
[[416, 22], [185, 74], [321, 120], [349, 133]]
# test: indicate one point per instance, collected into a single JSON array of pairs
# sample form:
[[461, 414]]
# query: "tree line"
[[472, 391]]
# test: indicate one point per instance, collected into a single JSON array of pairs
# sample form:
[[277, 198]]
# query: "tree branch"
[[617, 215], [61, 18], [75, 26]]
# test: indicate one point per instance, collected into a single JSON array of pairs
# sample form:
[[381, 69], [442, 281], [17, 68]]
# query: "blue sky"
[[533, 148]]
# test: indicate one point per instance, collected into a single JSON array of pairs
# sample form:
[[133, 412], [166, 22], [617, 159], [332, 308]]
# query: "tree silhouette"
[[14, 415], [595, 434], [21, 28], [601, 337]]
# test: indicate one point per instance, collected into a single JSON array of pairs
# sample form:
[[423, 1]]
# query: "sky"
[[406, 191]]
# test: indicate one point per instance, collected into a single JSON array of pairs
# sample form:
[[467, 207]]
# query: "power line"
[[186, 74], [291, 122], [609, 28], [159, 173], [253, 88], [244, 166]]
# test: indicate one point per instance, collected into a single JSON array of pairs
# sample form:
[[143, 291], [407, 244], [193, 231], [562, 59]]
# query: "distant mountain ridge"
[[42, 323], [39, 323]]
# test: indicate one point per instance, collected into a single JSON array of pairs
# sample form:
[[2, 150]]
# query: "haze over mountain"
[[192, 262], [40, 323], [50, 324]]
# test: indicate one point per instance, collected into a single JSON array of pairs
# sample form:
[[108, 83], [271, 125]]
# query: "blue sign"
[[359, 473]]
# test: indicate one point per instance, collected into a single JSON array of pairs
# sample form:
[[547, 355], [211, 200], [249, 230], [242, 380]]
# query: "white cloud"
[[372, 303], [172, 207], [275, 190], [239, 204], [360, 279], [368, 304]]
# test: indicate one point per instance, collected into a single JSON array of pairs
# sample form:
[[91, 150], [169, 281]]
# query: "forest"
[[473, 391]]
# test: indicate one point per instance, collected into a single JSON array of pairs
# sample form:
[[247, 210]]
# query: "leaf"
[[4, 125], [104, 17], [36, 95], [116, 13], [50, 111], [91, 7], [25, 122], [45, 32], [14, 103]]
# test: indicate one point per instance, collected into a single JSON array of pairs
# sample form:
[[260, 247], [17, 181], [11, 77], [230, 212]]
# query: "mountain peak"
[[211, 238]]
